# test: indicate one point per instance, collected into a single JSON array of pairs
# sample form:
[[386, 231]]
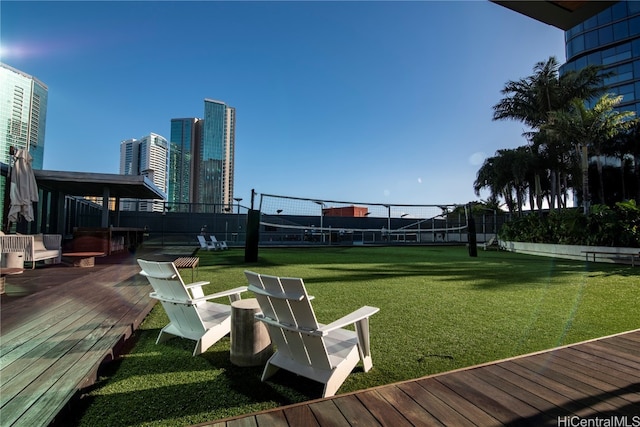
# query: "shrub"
[[603, 226]]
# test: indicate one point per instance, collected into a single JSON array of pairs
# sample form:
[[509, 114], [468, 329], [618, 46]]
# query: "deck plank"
[[535, 406], [444, 413], [480, 395], [409, 408], [327, 413], [609, 367], [457, 402], [353, 411], [273, 419], [381, 409], [300, 416]]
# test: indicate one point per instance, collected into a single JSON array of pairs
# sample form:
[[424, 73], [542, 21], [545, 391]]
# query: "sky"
[[356, 101]]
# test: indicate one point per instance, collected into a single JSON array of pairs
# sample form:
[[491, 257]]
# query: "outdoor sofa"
[[35, 247]]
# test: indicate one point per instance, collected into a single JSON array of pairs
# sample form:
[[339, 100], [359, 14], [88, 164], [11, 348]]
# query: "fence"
[[319, 223]]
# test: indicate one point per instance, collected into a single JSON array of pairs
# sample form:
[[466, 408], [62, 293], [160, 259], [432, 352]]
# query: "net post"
[[471, 233], [253, 236]]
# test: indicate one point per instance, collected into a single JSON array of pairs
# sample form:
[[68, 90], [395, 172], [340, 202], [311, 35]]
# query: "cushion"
[[38, 244], [46, 254]]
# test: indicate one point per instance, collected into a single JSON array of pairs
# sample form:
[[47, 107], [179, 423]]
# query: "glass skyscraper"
[[611, 39], [202, 160], [181, 164], [23, 117]]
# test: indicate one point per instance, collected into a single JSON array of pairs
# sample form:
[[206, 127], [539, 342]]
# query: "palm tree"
[[587, 129], [495, 175], [530, 100], [506, 175]]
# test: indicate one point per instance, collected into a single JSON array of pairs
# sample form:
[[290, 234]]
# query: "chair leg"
[[364, 346], [164, 336], [332, 386], [269, 370]]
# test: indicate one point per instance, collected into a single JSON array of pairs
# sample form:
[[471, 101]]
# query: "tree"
[[495, 175], [530, 100], [587, 129], [508, 175]]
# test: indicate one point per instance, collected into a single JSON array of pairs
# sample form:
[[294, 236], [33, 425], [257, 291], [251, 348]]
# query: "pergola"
[[55, 185]]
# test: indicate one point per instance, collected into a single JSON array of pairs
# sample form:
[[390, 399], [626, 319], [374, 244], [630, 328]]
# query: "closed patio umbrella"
[[23, 190]]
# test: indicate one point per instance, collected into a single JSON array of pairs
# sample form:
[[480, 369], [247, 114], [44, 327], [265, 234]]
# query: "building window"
[[620, 30], [591, 40], [605, 34], [634, 25]]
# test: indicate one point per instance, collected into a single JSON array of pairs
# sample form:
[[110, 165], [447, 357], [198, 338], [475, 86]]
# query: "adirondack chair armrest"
[[196, 285], [350, 319], [233, 294]]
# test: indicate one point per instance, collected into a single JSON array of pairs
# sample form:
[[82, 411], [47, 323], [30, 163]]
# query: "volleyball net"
[[290, 219]]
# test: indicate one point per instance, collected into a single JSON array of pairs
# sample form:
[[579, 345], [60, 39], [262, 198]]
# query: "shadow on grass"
[[488, 270]]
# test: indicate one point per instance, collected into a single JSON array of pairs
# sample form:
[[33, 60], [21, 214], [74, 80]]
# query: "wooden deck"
[[596, 379], [58, 325]]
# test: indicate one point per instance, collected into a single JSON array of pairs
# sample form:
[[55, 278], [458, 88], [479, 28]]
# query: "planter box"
[[568, 251]]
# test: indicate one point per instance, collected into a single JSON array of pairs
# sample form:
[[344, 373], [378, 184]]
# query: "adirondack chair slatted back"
[[277, 334], [285, 300], [170, 289]]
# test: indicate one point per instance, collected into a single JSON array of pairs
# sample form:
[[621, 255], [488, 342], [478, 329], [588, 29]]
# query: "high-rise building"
[[148, 156], [184, 133], [611, 39], [23, 114], [605, 33], [202, 160]]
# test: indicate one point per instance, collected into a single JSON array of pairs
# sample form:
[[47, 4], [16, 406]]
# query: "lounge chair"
[[492, 243], [323, 353], [190, 311], [220, 244], [210, 246]]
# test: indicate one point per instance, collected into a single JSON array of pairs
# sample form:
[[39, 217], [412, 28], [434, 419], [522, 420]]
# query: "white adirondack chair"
[[190, 311], [492, 243], [220, 244], [323, 353], [210, 246]]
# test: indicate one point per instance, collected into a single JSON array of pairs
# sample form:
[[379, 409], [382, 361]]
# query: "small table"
[[13, 260], [187, 262], [250, 340], [83, 259]]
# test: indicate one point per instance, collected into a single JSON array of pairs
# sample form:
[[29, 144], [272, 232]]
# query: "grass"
[[439, 310]]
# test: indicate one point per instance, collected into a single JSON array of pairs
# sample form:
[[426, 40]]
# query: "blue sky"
[[365, 101]]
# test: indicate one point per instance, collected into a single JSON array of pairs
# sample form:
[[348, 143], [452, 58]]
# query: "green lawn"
[[439, 310]]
